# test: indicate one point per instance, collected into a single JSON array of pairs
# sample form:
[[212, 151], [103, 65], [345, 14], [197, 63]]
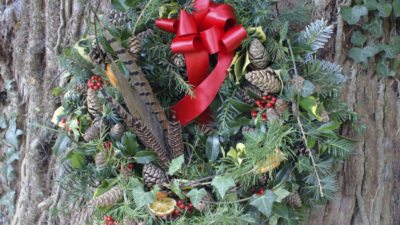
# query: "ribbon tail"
[[197, 65]]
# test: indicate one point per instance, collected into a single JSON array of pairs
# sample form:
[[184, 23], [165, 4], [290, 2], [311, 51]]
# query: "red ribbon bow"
[[210, 29]]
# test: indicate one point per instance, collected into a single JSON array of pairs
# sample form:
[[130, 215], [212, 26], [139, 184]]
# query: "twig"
[[140, 17], [197, 181], [62, 24], [301, 125]]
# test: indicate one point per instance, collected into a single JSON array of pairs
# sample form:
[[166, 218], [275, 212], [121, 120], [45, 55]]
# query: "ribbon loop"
[[211, 29]]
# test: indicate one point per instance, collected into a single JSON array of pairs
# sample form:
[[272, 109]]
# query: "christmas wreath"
[[201, 113]]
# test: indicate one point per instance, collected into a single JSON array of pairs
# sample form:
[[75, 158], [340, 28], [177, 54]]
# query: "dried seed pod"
[[267, 80], [178, 60], [153, 175], [293, 82], [258, 55], [263, 179], [108, 199]]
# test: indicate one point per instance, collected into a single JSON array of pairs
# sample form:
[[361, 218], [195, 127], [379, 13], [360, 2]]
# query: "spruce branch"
[[300, 124]]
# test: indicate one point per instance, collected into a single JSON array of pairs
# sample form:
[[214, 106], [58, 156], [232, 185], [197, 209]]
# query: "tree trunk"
[[32, 32]]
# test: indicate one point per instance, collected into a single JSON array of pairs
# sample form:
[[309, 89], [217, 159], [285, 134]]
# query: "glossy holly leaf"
[[358, 38], [241, 106], [176, 164], [264, 202], [308, 88], [222, 184], [130, 143], [144, 157], [352, 15], [196, 195], [213, 146], [141, 197]]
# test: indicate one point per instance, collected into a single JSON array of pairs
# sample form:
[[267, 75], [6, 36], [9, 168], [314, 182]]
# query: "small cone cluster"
[[117, 18]]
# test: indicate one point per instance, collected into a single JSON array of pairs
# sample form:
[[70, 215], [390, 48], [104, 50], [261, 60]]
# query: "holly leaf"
[[175, 165], [144, 157], [130, 143], [213, 146], [77, 160], [222, 184], [141, 197], [264, 202], [196, 195]]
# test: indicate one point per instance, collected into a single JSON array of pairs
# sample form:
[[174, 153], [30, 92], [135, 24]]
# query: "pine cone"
[[293, 82], [263, 179], [202, 206], [271, 114], [243, 92], [248, 129], [145, 34], [81, 89], [125, 172], [100, 159], [153, 175], [117, 18], [118, 130], [267, 80], [93, 131], [258, 55], [96, 55], [281, 106], [135, 45], [178, 60], [93, 103], [108, 199], [294, 199]]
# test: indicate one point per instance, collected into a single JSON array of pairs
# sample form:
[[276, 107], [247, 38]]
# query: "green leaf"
[[310, 142], [3, 122], [233, 154], [61, 144], [213, 146], [382, 69], [131, 3], [141, 197], [263, 202], [280, 210], [56, 91], [130, 143], [222, 184], [273, 220], [196, 195], [303, 164], [308, 88], [371, 50], [385, 10], [371, 4], [118, 5], [358, 38], [396, 8], [352, 15], [144, 157], [77, 160], [357, 54], [281, 194], [332, 125], [175, 165], [176, 189], [310, 105], [375, 27], [103, 188], [12, 132]]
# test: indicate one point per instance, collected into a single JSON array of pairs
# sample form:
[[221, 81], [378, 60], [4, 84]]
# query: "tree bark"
[[32, 32]]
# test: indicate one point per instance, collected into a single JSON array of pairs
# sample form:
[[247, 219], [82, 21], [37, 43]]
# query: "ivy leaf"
[[175, 165], [375, 27], [382, 69], [141, 197], [196, 195], [371, 4], [303, 164], [308, 88], [264, 202], [222, 184], [144, 157], [371, 50], [77, 160], [281, 194], [357, 54], [212, 146], [396, 8], [385, 10], [352, 15], [56, 91], [358, 38], [280, 210], [176, 189]]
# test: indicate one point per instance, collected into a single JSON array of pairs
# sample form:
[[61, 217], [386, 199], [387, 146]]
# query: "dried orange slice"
[[163, 206], [161, 194], [273, 160], [111, 76]]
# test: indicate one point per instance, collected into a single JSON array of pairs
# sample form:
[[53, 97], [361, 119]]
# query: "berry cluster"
[[267, 102], [181, 205], [95, 82], [108, 145], [109, 221], [64, 121], [260, 191]]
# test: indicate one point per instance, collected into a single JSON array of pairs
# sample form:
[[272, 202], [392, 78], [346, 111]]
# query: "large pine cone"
[[100, 159], [294, 199], [178, 60], [93, 131], [125, 172], [117, 18], [153, 175], [267, 80], [108, 199], [93, 103], [118, 129], [145, 34], [135, 45], [281, 106], [203, 205], [258, 55], [243, 92]]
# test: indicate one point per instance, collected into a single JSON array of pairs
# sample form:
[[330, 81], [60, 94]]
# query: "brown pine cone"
[[267, 80], [108, 199], [294, 199], [100, 159], [93, 131], [117, 18], [263, 179], [243, 92], [118, 129], [178, 59], [96, 55], [132, 222], [293, 82], [126, 172], [281, 106], [271, 114], [258, 55], [93, 103], [135, 45], [81, 89], [174, 138], [145, 34], [153, 175], [202, 206]]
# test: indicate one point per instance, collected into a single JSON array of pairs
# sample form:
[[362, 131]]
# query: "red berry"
[[186, 208], [105, 218], [269, 105], [198, 167], [264, 118], [265, 97], [93, 78], [181, 206], [131, 165], [261, 191], [269, 96], [253, 114], [96, 77], [190, 205], [177, 212], [69, 130], [95, 88], [106, 223], [258, 102], [190, 211], [264, 114], [180, 202], [79, 122], [119, 165], [63, 120], [274, 99], [261, 107], [263, 102]]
